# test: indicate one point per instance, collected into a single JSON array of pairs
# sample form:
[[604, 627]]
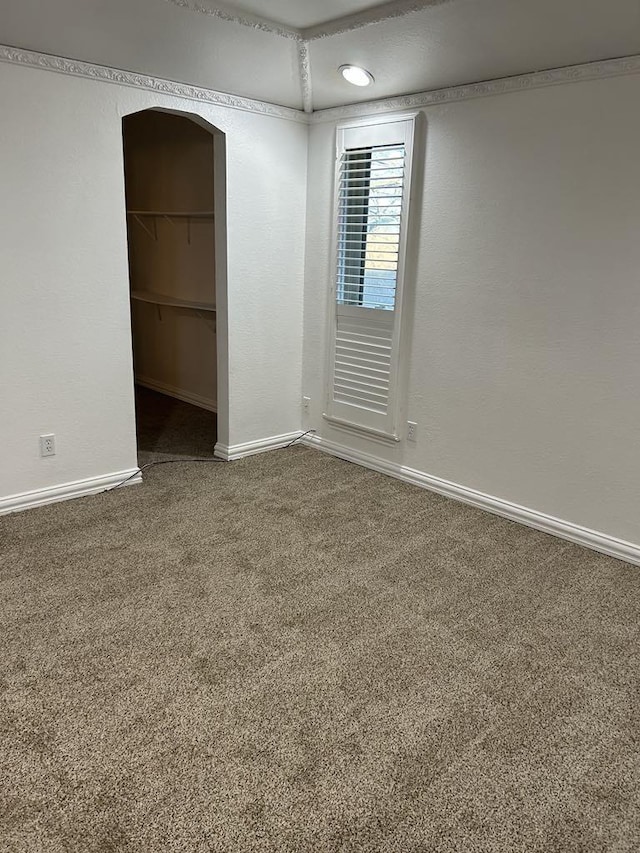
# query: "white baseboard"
[[627, 551], [250, 448], [66, 491], [178, 393]]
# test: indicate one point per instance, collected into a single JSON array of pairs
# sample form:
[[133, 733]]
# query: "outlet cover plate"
[[48, 445]]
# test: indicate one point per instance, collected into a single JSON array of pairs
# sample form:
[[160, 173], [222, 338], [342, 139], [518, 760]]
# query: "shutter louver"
[[362, 367]]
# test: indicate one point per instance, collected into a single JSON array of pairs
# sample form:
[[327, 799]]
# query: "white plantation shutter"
[[362, 368], [372, 199]]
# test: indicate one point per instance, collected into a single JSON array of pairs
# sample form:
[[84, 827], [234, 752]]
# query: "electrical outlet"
[[412, 430], [48, 445], [305, 403]]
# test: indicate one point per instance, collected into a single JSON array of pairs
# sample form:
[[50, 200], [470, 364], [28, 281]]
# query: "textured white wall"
[[524, 329], [65, 341]]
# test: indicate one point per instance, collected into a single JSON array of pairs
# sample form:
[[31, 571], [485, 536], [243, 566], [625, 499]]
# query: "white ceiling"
[[466, 41], [288, 51]]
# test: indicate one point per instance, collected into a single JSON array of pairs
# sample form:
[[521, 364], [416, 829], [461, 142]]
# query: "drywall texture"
[[65, 336], [523, 321], [169, 168]]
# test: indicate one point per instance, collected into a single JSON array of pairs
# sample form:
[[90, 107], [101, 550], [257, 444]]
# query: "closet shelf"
[[188, 214], [169, 216], [160, 299]]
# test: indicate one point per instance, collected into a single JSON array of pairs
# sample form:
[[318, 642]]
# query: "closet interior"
[[169, 185]]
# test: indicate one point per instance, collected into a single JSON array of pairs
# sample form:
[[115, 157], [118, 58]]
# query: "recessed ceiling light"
[[356, 75]]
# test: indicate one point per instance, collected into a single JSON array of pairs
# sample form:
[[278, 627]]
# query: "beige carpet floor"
[[291, 653]]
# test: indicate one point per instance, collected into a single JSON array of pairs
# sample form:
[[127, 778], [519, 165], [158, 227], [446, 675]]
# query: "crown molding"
[[304, 63], [245, 19], [348, 23], [537, 80], [570, 74], [376, 15], [386, 12], [265, 25], [335, 26], [158, 85]]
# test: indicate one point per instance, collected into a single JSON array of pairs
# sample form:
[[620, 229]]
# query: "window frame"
[[364, 133]]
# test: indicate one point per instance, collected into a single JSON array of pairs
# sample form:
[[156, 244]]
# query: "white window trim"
[[369, 126]]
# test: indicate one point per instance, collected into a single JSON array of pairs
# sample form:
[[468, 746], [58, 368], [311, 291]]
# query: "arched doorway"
[[176, 210]]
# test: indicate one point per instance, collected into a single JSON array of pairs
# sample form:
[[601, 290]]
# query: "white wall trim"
[[334, 26], [306, 86], [230, 14], [250, 448], [178, 393], [554, 77], [504, 85], [593, 539], [158, 85], [66, 491], [363, 431], [376, 15]]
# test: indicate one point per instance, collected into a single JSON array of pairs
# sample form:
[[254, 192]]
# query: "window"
[[372, 201], [370, 208]]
